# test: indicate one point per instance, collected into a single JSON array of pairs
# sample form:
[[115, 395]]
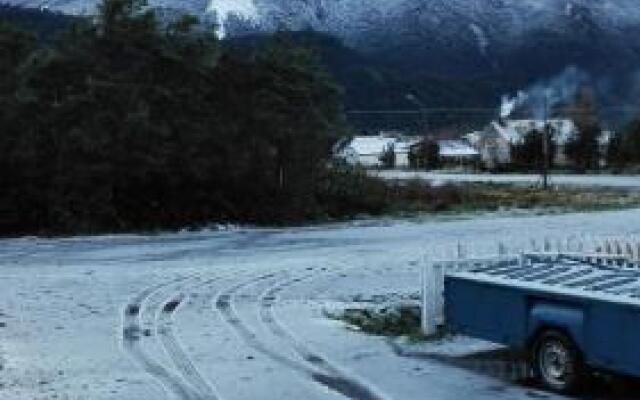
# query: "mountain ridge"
[[433, 47], [470, 37]]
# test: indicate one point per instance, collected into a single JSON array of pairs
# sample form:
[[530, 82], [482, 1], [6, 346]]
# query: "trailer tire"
[[557, 362]]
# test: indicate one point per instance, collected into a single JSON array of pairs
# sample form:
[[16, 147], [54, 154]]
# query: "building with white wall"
[[368, 151]]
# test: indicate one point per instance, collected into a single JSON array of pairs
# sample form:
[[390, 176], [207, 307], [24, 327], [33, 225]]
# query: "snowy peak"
[[227, 10], [354, 20], [443, 38]]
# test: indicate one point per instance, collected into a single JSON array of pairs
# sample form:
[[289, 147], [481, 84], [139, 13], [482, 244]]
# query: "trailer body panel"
[[606, 331]]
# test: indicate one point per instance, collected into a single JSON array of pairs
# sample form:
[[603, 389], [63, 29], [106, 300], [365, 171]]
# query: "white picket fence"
[[623, 252]]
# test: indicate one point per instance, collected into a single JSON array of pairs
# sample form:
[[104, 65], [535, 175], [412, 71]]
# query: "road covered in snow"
[[605, 181], [240, 314]]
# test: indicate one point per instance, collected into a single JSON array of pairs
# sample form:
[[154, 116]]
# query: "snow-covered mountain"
[[504, 44], [355, 19], [474, 31], [463, 33], [484, 20]]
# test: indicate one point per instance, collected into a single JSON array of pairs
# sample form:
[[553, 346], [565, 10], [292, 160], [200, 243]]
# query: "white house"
[[402, 148], [457, 152], [496, 141], [515, 130], [367, 151]]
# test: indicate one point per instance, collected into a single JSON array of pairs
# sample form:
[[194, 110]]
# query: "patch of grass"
[[402, 320], [492, 197], [351, 192]]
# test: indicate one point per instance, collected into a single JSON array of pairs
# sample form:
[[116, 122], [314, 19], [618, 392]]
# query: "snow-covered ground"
[[612, 181], [238, 314]]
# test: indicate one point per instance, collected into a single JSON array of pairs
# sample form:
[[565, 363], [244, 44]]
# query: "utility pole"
[[425, 134], [545, 145], [423, 111]]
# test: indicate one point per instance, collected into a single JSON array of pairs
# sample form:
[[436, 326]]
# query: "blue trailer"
[[572, 316]]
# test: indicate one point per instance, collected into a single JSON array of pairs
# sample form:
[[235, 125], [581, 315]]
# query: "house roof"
[[473, 137], [506, 132], [456, 148], [375, 145], [370, 145], [404, 145]]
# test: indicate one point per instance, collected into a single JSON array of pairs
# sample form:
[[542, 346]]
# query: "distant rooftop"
[[456, 148]]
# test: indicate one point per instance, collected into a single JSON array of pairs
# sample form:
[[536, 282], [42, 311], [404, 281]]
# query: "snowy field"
[[611, 181], [238, 314]]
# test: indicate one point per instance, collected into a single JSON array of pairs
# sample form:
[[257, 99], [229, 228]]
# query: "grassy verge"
[[493, 197], [344, 194], [352, 192]]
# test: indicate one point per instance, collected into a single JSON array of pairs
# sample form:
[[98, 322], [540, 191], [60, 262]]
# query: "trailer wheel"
[[557, 362]]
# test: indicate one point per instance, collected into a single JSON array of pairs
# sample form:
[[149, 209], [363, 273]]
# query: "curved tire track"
[[132, 335], [171, 344], [223, 303], [349, 386], [313, 367]]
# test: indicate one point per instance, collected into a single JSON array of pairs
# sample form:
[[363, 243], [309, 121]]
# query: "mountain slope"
[[371, 86], [461, 53], [441, 37], [44, 24]]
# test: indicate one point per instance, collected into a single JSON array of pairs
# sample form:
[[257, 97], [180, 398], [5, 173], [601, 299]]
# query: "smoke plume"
[[545, 95]]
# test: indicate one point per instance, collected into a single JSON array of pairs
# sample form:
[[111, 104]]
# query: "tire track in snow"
[[132, 335], [349, 386], [224, 304], [171, 344], [312, 367]]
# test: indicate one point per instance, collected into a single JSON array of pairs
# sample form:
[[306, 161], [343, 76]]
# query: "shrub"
[[348, 191], [388, 321]]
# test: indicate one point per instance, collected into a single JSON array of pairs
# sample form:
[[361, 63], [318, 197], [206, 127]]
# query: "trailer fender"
[[563, 317]]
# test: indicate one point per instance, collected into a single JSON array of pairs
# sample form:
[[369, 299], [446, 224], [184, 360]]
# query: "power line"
[[417, 112], [490, 110]]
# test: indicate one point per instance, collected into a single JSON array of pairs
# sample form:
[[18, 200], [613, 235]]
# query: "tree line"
[[126, 122], [624, 151], [591, 148]]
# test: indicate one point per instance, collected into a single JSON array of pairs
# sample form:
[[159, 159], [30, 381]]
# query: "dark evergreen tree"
[[125, 124], [583, 150], [628, 151], [388, 157], [425, 155], [529, 155]]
